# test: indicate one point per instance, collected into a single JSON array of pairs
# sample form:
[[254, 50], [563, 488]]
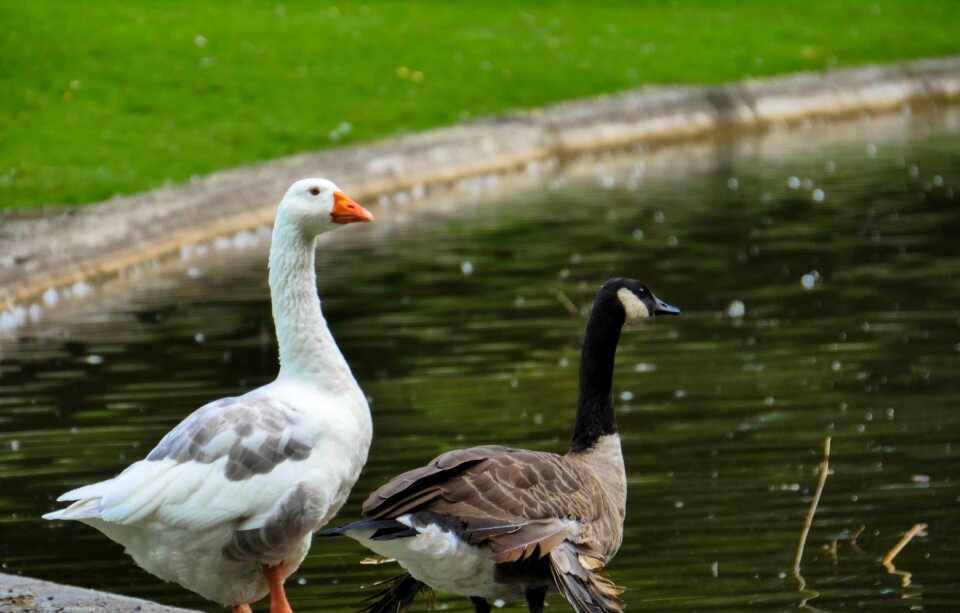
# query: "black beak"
[[662, 308]]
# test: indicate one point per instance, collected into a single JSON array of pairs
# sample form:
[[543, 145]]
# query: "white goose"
[[227, 503]]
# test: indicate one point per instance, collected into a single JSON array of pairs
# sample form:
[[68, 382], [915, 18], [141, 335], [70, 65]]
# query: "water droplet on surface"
[[200, 40], [793, 182], [200, 337], [732, 183], [626, 396], [835, 366], [830, 166], [638, 234], [938, 181], [679, 393], [93, 359], [871, 150], [466, 268], [914, 171], [808, 280], [818, 195]]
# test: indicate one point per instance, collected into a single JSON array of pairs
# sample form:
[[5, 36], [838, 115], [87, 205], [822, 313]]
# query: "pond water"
[[820, 296]]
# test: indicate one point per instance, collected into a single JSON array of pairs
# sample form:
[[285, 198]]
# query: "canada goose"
[[495, 522], [227, 502]]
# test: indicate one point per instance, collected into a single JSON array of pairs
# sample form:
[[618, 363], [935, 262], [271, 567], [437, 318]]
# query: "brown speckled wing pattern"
[[525, 506]]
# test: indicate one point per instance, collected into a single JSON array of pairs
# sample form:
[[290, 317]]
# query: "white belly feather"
[[443, 561]]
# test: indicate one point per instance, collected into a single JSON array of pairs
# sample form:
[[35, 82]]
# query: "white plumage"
[[226, 504]]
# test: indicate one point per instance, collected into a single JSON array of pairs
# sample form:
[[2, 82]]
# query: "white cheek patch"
[[632, 305]]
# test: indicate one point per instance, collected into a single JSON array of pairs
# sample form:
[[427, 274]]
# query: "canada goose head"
[[318, 205], [637, 300]]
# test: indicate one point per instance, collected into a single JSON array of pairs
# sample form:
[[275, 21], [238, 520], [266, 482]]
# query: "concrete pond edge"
[[68, 246], [27, 595]]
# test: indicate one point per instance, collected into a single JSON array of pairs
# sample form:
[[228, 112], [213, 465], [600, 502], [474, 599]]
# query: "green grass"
[[106, 97]]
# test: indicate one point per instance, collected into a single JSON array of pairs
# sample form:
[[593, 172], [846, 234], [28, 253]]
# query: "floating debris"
[[736, 309]]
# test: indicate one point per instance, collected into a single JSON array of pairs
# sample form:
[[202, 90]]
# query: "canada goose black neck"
[[595, 417]]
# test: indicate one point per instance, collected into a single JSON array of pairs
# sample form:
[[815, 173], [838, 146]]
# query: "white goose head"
[[317, 206]]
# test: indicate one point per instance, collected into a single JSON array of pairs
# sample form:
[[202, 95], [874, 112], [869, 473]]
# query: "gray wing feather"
[[254, 433]]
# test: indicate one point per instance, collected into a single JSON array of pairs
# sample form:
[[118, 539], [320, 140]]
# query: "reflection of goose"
[[226, 504], [495, 522]]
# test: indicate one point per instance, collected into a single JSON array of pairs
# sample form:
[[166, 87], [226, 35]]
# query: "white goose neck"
[[307, 349]]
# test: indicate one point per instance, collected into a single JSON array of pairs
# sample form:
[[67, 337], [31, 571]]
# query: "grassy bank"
[[107, 97]]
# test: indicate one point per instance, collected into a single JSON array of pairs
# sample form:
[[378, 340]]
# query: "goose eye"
[[314, 191]]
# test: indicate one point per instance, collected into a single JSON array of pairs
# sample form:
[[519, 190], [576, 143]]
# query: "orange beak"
[[348, 211]]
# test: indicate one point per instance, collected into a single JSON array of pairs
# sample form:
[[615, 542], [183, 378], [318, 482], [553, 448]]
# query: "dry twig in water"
[[917, 529], [808, 521], [566, 302]]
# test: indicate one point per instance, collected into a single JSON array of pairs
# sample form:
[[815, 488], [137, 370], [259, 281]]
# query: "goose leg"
[[278, 598], [242, 608], [480, 605], [535, 600]]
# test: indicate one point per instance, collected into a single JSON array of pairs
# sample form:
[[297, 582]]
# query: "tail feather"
[[93, 490], [574, 571], [382, 529], [82, 509], [397, 598]]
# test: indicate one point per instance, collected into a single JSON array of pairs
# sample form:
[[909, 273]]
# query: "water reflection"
[[820, 297]]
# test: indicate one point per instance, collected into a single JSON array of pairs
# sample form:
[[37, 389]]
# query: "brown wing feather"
[[520, 503], [574, 571]]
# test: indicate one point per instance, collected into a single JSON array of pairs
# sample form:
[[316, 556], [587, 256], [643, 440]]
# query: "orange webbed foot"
[[242, 608]]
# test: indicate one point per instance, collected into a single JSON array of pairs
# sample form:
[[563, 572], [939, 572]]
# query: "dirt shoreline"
[[70, 246]]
